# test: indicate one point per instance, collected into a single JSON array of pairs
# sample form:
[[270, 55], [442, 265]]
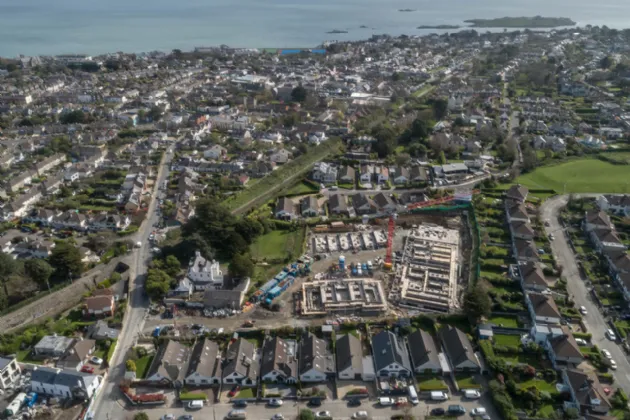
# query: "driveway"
[[595, 321]]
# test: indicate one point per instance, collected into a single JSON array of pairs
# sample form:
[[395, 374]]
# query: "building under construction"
[[426, 278], [343, 296]]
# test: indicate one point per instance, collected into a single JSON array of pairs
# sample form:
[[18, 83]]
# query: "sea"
[[49, 27]]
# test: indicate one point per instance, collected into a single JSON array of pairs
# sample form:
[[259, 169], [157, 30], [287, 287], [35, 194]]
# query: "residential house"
[[594, 219], [280, 156], [352, 364], [9, 372], [401, 175], [542, 308], [525, 250], [170, 364], [104, 221], [205, 274], [390, 355], [241, 364], [451, 171], [285, 209], [227, 298], [606, 240], [52, 346], [19, 180], [99, 306], [325, 173], [50, 162], [22, 204], [366, 173], [563, 349], [522, 230], [338, 204], [316, 361], [381, 174], [70, 220], [619, 204], [42, 217], [204, 368], [261, 169], [586, 393], [52, 184], [516, 212], [418, 174], [101, 331], [215, 152], [384, 203], [423, 352], [459, 350], [517, 193], [549, 142], [77, 354], [347, 175], [363, 204], [309, 206], [279, 361], [532, 276], [67, 383]]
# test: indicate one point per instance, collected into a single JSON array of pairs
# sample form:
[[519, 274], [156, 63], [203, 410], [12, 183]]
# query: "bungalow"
[[384, 203], [459, 350], [241, 364], [532, 276], [338, 204], [279, 361], [362, 204], [619, 204], [352, 364], [169, 364], [285, 209], [316, 361], [215, 152], [517, 193], [52, 346], [390, 355], [205, 364], [76, 355], [418, 174], [65, 383], [542, 308], [347, 175], [424, 353], [309, 206], [382, 174], [99, 305], [401, 175], [325, 173], [587, 394], [365, 174]]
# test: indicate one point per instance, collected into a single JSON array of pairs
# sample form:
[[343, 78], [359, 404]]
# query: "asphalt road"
[[338, 408], [106, 406], [594, 320]]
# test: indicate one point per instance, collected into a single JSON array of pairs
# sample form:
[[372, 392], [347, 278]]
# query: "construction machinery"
[[387, 265]]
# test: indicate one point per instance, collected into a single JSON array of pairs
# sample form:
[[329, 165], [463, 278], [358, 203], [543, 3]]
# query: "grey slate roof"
[[205, 359], [457, 345], [349, 353], [314, 354], [388, 349], [276, 355], [422, 348], [240, 359]]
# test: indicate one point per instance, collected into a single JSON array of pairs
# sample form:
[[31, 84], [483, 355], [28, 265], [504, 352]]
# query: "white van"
[[439, 396], [237, 414], [385, 401], [413, 395], [472, 394], [195, 405]]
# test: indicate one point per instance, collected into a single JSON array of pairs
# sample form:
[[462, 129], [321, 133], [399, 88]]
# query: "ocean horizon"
[[37, 27]]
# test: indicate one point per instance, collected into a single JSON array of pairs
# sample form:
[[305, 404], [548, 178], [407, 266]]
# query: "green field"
[[580, 176], [507, 340], [431, 383], [277, 244], [303, 187]]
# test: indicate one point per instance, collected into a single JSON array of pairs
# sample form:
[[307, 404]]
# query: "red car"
[[234, 391], [87, 369]]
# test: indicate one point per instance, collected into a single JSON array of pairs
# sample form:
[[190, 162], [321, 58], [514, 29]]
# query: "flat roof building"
[[321, 297]]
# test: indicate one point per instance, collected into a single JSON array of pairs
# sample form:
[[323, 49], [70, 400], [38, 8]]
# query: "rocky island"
[[521, 22], [337, 31], [406, 10]]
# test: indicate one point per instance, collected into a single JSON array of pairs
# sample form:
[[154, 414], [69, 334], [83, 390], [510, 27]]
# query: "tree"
[[38, 270], [66, 260], [157, 284], [440, 108], [419, 129], [172, 265], [8, 267], [299, 94], [606, 62], [441, 158], [130, 365], [306, 414], [141, 416], [241, 266], [155, 113], [477, 303]]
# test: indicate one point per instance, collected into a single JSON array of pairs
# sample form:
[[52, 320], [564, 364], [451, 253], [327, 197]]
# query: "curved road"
[[594, 319]]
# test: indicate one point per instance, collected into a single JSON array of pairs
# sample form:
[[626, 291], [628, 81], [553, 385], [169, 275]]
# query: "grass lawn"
[[25, 357], [505, 321], [277, 244], [245, 393], [303, 187], [142, 365], [507, 340], [431, 383], [545, 411], [580, 176], [466, 382], [540, 384]]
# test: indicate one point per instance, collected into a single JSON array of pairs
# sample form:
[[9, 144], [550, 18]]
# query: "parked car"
[[472, 394], [438, 411], [360, 415], [613, 364], [275, 402], [96, 360], [478, 411], [195, 405], [277, 416], [583, 310], [439, 396], [237, 414], [611, 335], [354, 402], [87, 369], [606, 354], [168, 417], [385, 401], [323, 415], [240, 403], [456, 410], [234, 391], [314, 402]]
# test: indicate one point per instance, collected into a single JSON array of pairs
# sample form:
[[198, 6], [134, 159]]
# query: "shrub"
[[130, 365]]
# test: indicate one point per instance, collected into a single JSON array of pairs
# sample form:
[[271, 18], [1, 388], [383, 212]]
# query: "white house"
[[241, 364], [64, 383], [205, 274], [279, 361], [204, 368], [316, 361], [9, 371], [390, 355]]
